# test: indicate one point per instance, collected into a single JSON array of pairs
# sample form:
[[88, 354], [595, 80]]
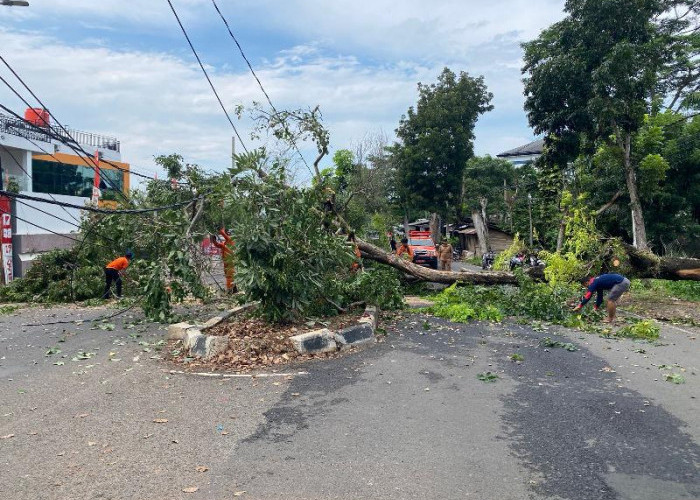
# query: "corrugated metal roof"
[[532, 148]]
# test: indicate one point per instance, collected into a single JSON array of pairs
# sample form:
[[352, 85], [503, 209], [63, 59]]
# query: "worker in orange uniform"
[[357, 264], [227, 256], [405, 248], [113, 273]]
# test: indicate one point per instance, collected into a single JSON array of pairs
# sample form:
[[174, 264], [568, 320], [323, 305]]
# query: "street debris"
[[487, 377], [548, 342]]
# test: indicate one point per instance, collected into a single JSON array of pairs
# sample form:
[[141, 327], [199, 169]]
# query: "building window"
[[73, 180]]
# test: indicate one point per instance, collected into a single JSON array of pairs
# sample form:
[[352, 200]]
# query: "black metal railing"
[[17, 127]]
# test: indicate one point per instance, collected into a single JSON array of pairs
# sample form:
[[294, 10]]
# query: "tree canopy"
[[436, 140]]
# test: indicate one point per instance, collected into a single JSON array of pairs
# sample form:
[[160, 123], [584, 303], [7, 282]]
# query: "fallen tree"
[[644, 265], [376, 254], [648, 265]]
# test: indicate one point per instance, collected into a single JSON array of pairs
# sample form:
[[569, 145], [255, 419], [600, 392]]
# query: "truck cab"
[[423, 248]]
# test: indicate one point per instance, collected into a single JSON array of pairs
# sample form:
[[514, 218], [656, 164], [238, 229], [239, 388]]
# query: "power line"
[[24, 84], [206, 75], [250, 66], [57, 137], [37, 225], [101, 210]]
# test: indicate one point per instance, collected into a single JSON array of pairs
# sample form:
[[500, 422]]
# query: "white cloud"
[[360, 63]]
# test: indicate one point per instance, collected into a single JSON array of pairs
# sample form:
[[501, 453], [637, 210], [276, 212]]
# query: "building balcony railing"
[[17, 127]]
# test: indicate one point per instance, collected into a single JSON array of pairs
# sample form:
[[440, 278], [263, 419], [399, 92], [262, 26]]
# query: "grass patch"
[[516, 357], [685, 290]]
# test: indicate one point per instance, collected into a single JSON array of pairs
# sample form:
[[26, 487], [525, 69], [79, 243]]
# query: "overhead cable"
[[250, 67], [206, 75], [30, 177], [88, 208], [37, 225]]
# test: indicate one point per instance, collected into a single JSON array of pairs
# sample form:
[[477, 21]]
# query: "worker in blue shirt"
[[616, 283]]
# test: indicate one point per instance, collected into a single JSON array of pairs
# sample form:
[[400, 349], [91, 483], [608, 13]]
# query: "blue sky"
[[124, 69]]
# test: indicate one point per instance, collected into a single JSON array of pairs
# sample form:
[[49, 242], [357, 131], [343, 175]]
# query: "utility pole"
[[529, 210], [233, 153]]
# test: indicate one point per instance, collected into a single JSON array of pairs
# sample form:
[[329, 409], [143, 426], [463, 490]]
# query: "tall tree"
[[595, 72], [436, 140]]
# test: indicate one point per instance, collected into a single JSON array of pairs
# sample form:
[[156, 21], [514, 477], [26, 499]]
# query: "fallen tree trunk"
[[374, 253], [644, 264], [648, 265]]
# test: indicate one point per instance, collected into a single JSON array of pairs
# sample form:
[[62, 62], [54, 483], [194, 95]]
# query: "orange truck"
[[423, 247]]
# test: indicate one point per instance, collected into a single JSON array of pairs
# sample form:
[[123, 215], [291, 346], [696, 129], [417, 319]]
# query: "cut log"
[[648, 265]]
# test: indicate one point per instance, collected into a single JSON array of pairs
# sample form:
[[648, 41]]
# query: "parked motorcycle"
[[516, 261], [487, 260]]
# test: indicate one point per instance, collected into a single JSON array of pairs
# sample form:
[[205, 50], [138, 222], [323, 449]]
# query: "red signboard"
[[96, 185], [6, 238]]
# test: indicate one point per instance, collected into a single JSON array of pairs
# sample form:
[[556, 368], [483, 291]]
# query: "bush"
[[52, 278], [538, 301]]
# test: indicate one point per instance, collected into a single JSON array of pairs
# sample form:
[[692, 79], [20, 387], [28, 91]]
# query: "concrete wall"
[[33, 211]]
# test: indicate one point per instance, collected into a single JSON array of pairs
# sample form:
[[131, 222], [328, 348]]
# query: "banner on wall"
[[6, 238]]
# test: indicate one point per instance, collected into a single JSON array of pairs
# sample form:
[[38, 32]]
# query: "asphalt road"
[[405, 418]]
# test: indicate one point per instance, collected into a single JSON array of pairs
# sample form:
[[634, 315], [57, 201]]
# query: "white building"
[[34, 163]]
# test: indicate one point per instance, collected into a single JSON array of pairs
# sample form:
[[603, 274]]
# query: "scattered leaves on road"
[[190, 489], [7, 436], [82, 355], [487, 377], [675, 378], [548, 342], [238, 493], [202, 468], [160, 420], [52, 350]]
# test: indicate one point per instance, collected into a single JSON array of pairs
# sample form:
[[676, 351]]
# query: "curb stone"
[[200, 344], [324, 340], [318, 341]]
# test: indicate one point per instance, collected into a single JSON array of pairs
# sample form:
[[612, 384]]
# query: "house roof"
[[419, 222], [532, 148]]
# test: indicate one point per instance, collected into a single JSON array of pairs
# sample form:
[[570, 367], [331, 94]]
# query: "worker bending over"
[[113, 273], [616, 283]]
